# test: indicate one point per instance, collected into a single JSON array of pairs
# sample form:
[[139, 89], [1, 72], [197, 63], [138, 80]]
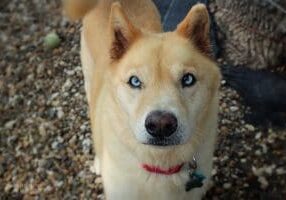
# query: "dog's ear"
[[123, 32], [196, 27]]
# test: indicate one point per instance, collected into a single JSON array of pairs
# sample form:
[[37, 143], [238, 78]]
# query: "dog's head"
[[165, 83]]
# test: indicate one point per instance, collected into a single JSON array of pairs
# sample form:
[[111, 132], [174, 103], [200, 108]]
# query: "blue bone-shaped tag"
[[196, 181]]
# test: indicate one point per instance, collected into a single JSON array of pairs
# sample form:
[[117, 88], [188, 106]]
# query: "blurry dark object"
[[3, 3], [252, 33], [173, 11], [263, 91]]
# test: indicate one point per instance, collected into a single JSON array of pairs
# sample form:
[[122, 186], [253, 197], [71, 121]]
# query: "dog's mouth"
[[163, 141]]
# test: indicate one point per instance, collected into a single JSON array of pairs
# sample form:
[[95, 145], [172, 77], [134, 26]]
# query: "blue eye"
[[188, 80], [135, 82]]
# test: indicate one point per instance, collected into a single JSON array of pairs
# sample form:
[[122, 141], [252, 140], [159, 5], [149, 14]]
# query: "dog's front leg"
[[95, 166]]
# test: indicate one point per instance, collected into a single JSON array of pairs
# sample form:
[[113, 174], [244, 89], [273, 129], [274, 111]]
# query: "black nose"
[[161, 124]]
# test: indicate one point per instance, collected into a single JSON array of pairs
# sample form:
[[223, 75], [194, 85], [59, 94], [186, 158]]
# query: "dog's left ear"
[[123, 32], [196, 27]]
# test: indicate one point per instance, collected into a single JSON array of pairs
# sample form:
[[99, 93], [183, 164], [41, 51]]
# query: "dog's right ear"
[[196, 27], [123, 32]]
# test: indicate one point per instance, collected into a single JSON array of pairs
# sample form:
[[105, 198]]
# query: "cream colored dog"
[[153, 98]]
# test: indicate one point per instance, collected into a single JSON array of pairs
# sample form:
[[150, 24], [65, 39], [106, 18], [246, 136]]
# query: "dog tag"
[[196, 181]]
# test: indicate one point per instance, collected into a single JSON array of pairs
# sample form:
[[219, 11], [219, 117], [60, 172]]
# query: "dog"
[[153, 98]]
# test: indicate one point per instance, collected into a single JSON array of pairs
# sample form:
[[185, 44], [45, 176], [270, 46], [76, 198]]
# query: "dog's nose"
[[161, 124]]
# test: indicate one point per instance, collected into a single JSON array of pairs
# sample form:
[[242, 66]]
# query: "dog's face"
[[164, 82]]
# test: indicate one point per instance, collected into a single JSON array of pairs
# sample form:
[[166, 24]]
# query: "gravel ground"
[[45, 142]]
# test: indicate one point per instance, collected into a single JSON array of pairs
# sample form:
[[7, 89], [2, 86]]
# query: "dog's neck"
[[195, 178], [158, 170]]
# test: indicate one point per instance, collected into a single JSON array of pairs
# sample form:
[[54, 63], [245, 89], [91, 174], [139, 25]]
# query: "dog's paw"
[[95, 166]]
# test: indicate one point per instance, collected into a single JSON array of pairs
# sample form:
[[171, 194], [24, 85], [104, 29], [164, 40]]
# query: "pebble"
[[48, 189], [55, 145], [8, 187], [98, 180], [269, 169], [73, 140], [59, 184], [42, 129], [263, 181], [10, 124], [67, 85], [257, 171], [258, 136], [280, 171], [214, 172], [60, 113], [227, 185], [52, 40], [40, 68], [86, 144], [60, 139], [264, 148], [249, 127], [233, 108]]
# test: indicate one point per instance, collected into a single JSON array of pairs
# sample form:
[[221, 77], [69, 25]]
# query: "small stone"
[[73, 139], [10, 124], [55, 145], [86, 144], [257, 171], [249, 127], [258, 152], [227, 185], [81, 174], [269, 169], [54, 95], [258, 136], [214, 172], [59, 184], [60, 113], [98, 181], [70, 72], [83, 127], [280, 171], [42, 129], [264, 148], [52, 40], [67, 85], [263, 181], [48, 189], [52, 113], [100, 196], [233, 108], [60, 139], [8, 187], [40, 69]]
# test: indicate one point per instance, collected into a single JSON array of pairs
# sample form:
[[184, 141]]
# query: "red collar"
[[158, 170]]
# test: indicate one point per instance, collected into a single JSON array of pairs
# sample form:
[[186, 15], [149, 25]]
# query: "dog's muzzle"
[[162, 126]]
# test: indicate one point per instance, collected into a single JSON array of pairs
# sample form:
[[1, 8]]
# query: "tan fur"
[[109, 58], [76, 9]]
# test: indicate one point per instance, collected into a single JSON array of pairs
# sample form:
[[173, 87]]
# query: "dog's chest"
[[148, 190], [141, 186]]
